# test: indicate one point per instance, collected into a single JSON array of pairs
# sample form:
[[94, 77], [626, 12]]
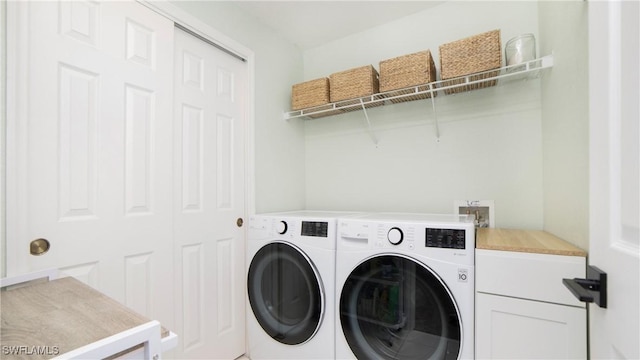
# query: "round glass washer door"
[[393, 307], [285, 293]]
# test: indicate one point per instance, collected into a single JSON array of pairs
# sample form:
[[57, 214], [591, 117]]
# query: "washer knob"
[[282, 227], [395, 235]]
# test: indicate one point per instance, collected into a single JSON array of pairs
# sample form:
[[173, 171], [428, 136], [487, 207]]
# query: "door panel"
[[209, 197], [94, 137], [614, 246], [139, 143], [78, 103], [392, 307], [285, 293]]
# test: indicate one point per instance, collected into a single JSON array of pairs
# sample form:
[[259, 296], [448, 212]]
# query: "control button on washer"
[[395, 235]]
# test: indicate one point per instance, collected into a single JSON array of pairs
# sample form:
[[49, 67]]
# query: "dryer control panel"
[[315, 228]]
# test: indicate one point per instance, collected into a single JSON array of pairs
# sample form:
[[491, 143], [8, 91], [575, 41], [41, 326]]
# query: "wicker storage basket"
[[407, 71], [468, 56], [309, 94], [353, 83]]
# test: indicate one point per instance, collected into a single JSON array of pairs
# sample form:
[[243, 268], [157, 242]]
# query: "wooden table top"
[[58, 316], [530, 241]]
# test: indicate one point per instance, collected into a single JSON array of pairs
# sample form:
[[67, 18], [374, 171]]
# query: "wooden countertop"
[[530, 241], [60, 316]]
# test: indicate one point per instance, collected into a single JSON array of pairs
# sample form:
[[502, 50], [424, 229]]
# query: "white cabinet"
[[523, 311]]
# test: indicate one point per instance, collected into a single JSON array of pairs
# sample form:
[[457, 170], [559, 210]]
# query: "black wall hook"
[[591, 289]]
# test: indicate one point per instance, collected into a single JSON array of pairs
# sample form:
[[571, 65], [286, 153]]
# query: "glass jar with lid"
[[519, 50]]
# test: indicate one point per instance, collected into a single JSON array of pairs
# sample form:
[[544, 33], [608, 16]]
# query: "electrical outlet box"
[[483, 210]]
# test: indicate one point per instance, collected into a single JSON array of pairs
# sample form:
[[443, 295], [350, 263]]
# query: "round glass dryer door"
[[392, 307], [285, 293]]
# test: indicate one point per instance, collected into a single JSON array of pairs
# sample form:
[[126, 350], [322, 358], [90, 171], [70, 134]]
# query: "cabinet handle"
[[591, 289]]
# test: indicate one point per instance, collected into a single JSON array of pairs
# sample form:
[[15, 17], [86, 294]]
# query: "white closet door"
[[90, 156], [210, 88]]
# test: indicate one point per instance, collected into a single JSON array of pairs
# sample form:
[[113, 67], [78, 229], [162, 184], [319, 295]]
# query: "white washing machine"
[[290, 284], [405, 287]]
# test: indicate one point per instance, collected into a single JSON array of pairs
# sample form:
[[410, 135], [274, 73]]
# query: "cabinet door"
[[510, 328]]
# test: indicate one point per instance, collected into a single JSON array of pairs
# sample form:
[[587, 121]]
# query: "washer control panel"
[[445, 238]]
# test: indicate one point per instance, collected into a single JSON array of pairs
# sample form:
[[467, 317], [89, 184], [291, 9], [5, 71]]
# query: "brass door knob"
[[39, 246], [239, 222]]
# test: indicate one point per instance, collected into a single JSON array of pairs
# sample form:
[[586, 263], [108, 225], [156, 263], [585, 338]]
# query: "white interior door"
[[614, 77], [90, 157], [210, 93]]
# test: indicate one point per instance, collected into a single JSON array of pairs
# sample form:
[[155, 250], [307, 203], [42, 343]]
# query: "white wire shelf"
[[527, 70]]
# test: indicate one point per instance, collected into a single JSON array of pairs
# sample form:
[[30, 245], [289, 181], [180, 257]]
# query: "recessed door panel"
[[78, 141], [140, 44], [192, 296], [193, 71], [192, 126], [138, 286], [80, 20], [225, 150], [226, 300], [139, 149]]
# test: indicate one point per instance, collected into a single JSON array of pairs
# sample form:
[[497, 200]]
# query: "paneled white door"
[[614, 245], [89, 150], [210, 88]]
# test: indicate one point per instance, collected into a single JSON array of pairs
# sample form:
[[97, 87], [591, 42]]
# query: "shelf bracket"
[[435, 113], [373, 136]]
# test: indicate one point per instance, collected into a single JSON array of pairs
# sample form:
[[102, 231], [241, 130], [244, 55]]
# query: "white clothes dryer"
[[405, 287], [291, 285]]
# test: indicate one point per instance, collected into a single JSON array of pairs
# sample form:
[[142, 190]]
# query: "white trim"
[[50, 274], [16, 132], [615, 117], [3, 127], [147, 334], [197, 26]]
